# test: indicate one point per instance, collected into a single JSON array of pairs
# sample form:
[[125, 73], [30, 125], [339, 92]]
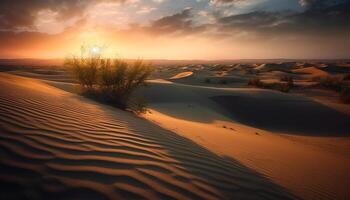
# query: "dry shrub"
[[108, 80], [207, 80], [345, 95], [138, 104], [283, 87], [84, 70], [338, 84], [332, 82], [223, 81], [289, 79], [346, 77], [256, 82]]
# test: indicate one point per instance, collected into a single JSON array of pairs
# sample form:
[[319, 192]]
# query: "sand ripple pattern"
[[55, 145]]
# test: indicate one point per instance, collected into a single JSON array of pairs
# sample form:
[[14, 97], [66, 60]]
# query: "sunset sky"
[[176, 29]]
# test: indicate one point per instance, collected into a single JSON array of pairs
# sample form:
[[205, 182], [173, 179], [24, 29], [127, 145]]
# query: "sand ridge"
[[181, 75]]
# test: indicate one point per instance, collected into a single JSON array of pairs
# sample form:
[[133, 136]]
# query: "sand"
[[311, 71], [296, 142], [57, 145], [198, 140], [182, 75]]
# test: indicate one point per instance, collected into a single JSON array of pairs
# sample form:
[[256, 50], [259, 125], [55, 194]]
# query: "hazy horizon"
[[160, 62]]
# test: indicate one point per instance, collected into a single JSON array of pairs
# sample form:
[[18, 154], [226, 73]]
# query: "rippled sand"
[[56, 145]]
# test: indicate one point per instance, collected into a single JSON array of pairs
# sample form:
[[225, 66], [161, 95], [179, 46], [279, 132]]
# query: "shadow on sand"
[[291, 116], [264, 109]]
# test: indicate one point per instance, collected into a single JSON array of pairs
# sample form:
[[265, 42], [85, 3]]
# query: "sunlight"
[[95, 50]]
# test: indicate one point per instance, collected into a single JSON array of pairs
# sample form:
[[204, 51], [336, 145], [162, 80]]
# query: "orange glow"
[[142, 29], [142, 44]]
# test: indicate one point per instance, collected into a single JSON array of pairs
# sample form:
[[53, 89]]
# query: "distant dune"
[[57, 145], [165, 62], [312, 71], [182, 75]]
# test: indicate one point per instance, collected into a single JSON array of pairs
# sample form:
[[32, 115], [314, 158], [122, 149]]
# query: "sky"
[[176, 29]]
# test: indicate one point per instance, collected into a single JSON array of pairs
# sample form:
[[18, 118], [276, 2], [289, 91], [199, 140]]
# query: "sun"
[[96, 50]]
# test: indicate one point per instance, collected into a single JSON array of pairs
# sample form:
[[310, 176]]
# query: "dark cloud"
[[324, 16], [22, 13], [320, 17], [179, 22], [306, 2], [317, 4], [252, 20]]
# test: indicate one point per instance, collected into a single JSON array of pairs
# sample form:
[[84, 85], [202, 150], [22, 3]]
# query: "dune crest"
[[182, 75]]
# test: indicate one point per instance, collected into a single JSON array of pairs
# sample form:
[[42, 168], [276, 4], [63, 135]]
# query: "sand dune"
[[56, 145], [275, 111], [59, 77], [276, 66], [312, 71], [302, 117], [337, 68], [182, 75], [279, 135]]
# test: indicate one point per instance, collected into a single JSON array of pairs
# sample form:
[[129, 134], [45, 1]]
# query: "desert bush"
[[138, 104], [250, 71], [345, 95], [256, 82], [338, 84], [332, 82], [108, 80], [84, 70], [207, 80], [346, 77], [284, 87], [288, 79], [223, 81]]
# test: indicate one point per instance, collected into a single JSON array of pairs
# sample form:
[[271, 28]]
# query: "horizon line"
[[165, 59]]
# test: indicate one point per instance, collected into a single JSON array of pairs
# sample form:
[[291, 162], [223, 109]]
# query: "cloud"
[[305, 3], [320, 17], [252, 20], [146, 9], [326, 16], [327, 20], [23, 13], [178, 22], [319, 4], [225, 2]]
